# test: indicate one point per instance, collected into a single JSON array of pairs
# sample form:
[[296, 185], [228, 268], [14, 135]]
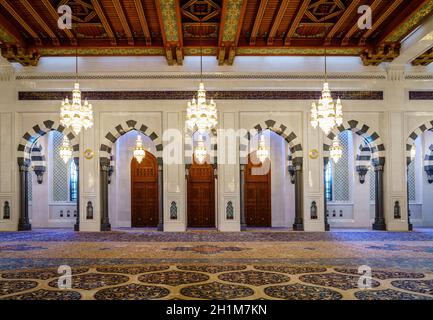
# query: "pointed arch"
[[376, 145], [282, 130], [30, 137], [113, 135]]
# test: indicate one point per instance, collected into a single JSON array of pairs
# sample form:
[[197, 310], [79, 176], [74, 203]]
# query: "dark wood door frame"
[[201, 196], [257, 195], [144, 192]]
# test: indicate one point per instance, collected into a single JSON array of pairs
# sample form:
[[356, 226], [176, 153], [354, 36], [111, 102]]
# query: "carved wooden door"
[[257, 199], [201, 196], [144, 192]]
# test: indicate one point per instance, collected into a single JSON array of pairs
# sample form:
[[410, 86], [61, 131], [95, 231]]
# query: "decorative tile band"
[[420, 95], [206, 76], [184, 95]]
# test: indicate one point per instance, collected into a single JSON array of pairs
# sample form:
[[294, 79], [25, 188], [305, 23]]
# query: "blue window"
[[328, 181], [73, 182]]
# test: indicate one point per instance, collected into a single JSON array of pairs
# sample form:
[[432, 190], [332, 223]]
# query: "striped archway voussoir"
[[414, 135], [282, 130], [30, 137], [111, 137], [373, 139]]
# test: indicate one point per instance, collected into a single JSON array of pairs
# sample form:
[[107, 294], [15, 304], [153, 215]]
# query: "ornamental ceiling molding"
[[183, 95], [196, 76], [233, 15]]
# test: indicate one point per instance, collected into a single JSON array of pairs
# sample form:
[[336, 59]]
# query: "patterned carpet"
[[210, 265]]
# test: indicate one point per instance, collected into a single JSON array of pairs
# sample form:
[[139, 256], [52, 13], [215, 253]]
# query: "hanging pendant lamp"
[[326, 114], [201, 115], [65, 150], [139, 151], [336, 151], [76, 115]]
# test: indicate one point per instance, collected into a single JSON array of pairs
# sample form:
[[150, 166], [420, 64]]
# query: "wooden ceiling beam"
[[143, 21], [9, 34], [21, 21], [258, 21], [341, 21], [277, 21], [355, 27], [55, 16], [379, 21], [41, 22], [232, 17], [123, 21], [405, 21], [104, 21], [296, 21]]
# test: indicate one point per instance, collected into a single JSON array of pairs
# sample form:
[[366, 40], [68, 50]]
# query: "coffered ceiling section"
[[222, 28]]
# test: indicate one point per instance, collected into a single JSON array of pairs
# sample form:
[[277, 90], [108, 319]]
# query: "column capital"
[[379, 168], [24, 168]]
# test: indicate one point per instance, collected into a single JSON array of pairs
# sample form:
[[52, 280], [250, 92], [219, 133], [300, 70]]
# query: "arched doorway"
[[201, 195], [339, 209], [286, 181], [55, 195], [111, 177], [419, 160], [257, 191], [144, 192]]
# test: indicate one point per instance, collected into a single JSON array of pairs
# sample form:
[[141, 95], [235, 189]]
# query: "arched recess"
[[377, 150], [295, 162], [192, 168], [24, 159], [105, 161], [428, 161]]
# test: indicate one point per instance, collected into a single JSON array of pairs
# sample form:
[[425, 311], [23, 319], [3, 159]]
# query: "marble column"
[[325, 204], [242, 195], [161, 198], [379, 218], [105, 220], [77, 223], [24, 222], [299, 215]]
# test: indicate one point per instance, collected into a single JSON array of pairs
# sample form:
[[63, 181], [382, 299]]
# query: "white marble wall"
[[394, 119]]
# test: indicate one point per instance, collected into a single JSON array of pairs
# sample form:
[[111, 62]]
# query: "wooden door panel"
[[257, 197], [201, 196], [144, 192]]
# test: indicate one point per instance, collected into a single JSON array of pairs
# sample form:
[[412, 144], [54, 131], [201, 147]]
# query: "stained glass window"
[[328, 182], [73, 182]]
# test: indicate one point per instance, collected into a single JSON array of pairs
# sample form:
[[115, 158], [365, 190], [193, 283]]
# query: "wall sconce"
[[362, 172], [429, 172], [313, 211], [110, 173], [397, 214], [291, 170], [39, 177]]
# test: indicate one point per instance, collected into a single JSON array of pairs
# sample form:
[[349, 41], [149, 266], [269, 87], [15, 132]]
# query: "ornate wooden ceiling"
[[223, 28]]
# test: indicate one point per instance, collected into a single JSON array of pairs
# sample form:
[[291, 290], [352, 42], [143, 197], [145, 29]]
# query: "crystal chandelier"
[[139, 151], [336, 151], [262, 152], [75, 114], [201, 115], [66, 150], [326, 114], [200, 152]]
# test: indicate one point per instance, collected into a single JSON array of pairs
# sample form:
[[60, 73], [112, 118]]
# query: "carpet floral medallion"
[[143, 265]]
